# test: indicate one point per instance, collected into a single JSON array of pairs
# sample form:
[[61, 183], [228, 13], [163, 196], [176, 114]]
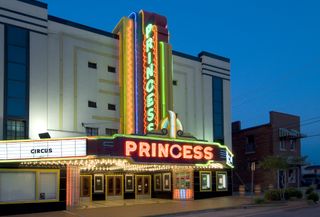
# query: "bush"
[[273, 194], [313, 196], [309, 190], [292, 192], [259, 200]]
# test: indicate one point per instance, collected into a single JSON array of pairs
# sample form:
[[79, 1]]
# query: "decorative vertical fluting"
[[125, 30]]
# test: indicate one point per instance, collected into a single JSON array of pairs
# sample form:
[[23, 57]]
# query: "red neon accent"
[[154, 149], [175, 151], [187, 151], [163, 150], [176, 156], [198, 152], [144, 149], [156, 77], [130, 147], [208, 155], [144, 69]]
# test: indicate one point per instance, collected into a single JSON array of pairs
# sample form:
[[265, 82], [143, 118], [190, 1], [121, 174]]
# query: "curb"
[[244, 206], [198, 211]]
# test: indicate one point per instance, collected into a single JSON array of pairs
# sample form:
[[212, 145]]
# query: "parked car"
[[311, 179]]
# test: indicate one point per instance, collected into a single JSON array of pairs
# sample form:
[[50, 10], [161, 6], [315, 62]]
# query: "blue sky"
[[273, 46]]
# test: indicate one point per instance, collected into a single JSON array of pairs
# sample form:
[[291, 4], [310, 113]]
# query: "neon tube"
[[163, 81], [134, 16]]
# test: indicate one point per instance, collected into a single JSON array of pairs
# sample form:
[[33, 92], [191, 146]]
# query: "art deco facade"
[[121, 115]]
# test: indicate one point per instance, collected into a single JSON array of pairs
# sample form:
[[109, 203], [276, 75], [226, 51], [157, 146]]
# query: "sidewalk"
[[159, 207], [151, 207]]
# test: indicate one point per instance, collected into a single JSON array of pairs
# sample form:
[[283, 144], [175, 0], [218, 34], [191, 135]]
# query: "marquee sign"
[[43, 149], [167, 150], [143, 149]]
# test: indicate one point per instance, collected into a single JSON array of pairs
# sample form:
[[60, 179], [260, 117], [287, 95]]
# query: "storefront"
[[55, 174]]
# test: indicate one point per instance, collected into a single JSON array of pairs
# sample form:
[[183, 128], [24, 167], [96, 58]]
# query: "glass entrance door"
[[85, 187], [114, 187], [143, 188]]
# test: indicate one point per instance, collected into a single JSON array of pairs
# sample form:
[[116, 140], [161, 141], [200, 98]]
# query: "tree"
[[275, 163]]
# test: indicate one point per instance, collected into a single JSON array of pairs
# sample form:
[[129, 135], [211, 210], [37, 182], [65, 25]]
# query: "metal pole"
[[252, 171]]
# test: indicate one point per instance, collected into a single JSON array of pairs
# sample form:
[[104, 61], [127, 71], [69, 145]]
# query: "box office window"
[[221, 181], [183, 180], [28, 186], [205, 181], [48, 186]]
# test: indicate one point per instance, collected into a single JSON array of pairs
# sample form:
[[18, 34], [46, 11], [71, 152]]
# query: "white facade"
[[61, 83]]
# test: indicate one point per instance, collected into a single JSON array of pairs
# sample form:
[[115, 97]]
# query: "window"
[[92, 65], [111, 69], [29, 185], [16, 129], [110, 132], [90, 131], [175, 82], [250, 145], [282, 145], [157, 184], [205, 181], [217, 93], [17, 186], [221, 181], [111, 107], [292, 144], [16, 82], [92, 104], [292, 176]]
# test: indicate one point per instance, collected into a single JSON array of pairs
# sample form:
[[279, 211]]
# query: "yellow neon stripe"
[[163, 81], [129, 100]]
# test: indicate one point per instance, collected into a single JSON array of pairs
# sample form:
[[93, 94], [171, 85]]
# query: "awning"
[[289, 133]]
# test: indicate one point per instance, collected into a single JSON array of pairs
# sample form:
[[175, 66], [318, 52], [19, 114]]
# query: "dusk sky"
[[274, 47]]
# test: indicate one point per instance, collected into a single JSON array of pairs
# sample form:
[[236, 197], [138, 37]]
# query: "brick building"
[[280, 137]]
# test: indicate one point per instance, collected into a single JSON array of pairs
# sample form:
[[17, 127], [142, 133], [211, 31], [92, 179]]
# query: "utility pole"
[[253, 168]]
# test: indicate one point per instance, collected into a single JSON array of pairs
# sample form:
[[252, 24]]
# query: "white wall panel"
[[38, 85], [1, 78]]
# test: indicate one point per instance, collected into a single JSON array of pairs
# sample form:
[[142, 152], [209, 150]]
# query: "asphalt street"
[[311, 211]]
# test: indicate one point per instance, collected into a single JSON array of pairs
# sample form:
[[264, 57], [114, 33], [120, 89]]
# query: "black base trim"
[[24, 208]]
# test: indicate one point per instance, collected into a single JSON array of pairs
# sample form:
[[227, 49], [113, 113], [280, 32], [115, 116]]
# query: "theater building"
[[87, 114]]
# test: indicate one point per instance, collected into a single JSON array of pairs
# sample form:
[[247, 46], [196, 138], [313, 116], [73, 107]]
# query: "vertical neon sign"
[[150, 78]]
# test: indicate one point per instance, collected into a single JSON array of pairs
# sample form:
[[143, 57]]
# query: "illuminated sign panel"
[[165, 150], [142, 149], [43, 149], [150, 78]]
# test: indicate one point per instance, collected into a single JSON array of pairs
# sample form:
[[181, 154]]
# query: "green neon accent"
[[163, 81], [162, 139], [205, 164]]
